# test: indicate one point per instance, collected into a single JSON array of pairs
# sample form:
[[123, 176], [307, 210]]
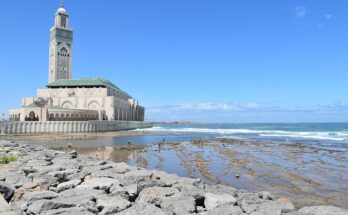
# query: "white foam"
[[338, 136]]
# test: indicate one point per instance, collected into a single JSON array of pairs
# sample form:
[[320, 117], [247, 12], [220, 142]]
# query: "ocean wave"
[[337, 136]]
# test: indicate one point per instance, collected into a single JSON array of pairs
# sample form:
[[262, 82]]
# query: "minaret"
[[60, 57]]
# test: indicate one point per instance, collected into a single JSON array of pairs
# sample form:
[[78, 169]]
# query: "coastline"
[[304, 173], [51, 182]]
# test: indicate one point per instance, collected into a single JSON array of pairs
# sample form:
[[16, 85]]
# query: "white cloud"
[[335, 106], [248, 112], [301, 11], [207, 107]]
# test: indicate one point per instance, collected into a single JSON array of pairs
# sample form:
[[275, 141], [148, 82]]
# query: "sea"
[[323, 135], [311, 133]]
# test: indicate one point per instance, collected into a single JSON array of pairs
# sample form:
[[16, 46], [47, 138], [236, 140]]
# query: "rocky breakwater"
[[44, 181]]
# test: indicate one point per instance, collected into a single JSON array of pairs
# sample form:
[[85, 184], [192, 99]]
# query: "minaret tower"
[[60, 57]]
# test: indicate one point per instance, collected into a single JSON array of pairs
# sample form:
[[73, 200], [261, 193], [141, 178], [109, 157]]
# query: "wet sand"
[[305, 174]]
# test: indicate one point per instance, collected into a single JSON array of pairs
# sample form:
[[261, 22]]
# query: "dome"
[[62, 11]]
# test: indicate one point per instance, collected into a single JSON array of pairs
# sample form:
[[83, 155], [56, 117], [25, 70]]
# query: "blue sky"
[[198, 60]]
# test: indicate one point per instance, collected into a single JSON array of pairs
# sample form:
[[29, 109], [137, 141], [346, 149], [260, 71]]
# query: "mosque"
[[67, 99]]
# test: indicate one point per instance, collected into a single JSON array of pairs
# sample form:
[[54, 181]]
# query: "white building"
[[66, 99]]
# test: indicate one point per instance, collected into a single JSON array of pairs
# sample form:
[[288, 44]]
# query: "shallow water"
[[309, 171]]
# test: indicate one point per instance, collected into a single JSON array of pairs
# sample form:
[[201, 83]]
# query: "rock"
[[30, 185], [133, 177], [147, 182], [221, 189], [45, 181], [31, 197], [82, 201], [197, 182], [63, 175], [67, 211], [99, 183], [28, 170], [116, 189], [16, 179], [248, 201], [277, 207], [73, 154], [143, 209], [7, 190], [132, 190], [212, 200], [266, 195], [68, 185], [157, 195], [323, 210], [154, 177], [226, 210], [168, 179], [112, 205], [190, 190], [121, 168], [44, 205], [88, 192], [200, 209], [181, 205]]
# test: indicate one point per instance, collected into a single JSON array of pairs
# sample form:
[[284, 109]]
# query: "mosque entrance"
[[32, 117]]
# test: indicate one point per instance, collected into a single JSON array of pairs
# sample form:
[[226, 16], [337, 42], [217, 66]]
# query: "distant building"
[[66, 99]]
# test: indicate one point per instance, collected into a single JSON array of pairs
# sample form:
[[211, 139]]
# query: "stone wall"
[[69, 126]]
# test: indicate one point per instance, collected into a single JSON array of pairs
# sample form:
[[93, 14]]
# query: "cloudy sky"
[[197, 60]]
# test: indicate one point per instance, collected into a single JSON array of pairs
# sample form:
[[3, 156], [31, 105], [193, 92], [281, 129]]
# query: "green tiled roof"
[[32, 105], [86, 82]]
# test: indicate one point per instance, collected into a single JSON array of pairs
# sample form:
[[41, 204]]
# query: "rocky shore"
[[43, 181]]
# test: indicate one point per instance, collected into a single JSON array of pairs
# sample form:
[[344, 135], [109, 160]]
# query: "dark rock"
[[7, 190]]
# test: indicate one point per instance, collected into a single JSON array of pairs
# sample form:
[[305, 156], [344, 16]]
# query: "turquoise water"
[[330, 134], [322, 135]]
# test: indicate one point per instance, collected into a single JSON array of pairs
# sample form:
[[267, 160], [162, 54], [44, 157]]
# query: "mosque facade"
[[67, 99]]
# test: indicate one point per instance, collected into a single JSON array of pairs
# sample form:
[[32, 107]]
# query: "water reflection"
[[122, 153]]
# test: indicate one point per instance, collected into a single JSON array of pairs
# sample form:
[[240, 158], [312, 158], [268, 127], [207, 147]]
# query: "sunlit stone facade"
[[66, 99]]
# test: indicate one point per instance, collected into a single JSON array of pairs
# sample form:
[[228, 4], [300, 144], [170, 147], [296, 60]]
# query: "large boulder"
[[278, 207], [248, 201], [221, 189], [88, 192], [112, 205], [39, 206], [181, 205], [225, 210], [45, 181], [68, 185], [158, 195], [135, 176], [99, 183], [323, 210], [7, 190], [16, 179], [190, 190], [31, 197], [213, 200]]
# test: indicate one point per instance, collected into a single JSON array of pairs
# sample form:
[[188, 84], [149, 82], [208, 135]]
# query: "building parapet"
[[48, 127]]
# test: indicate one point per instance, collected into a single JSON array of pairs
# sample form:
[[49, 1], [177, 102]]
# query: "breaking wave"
[[336, 136]]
